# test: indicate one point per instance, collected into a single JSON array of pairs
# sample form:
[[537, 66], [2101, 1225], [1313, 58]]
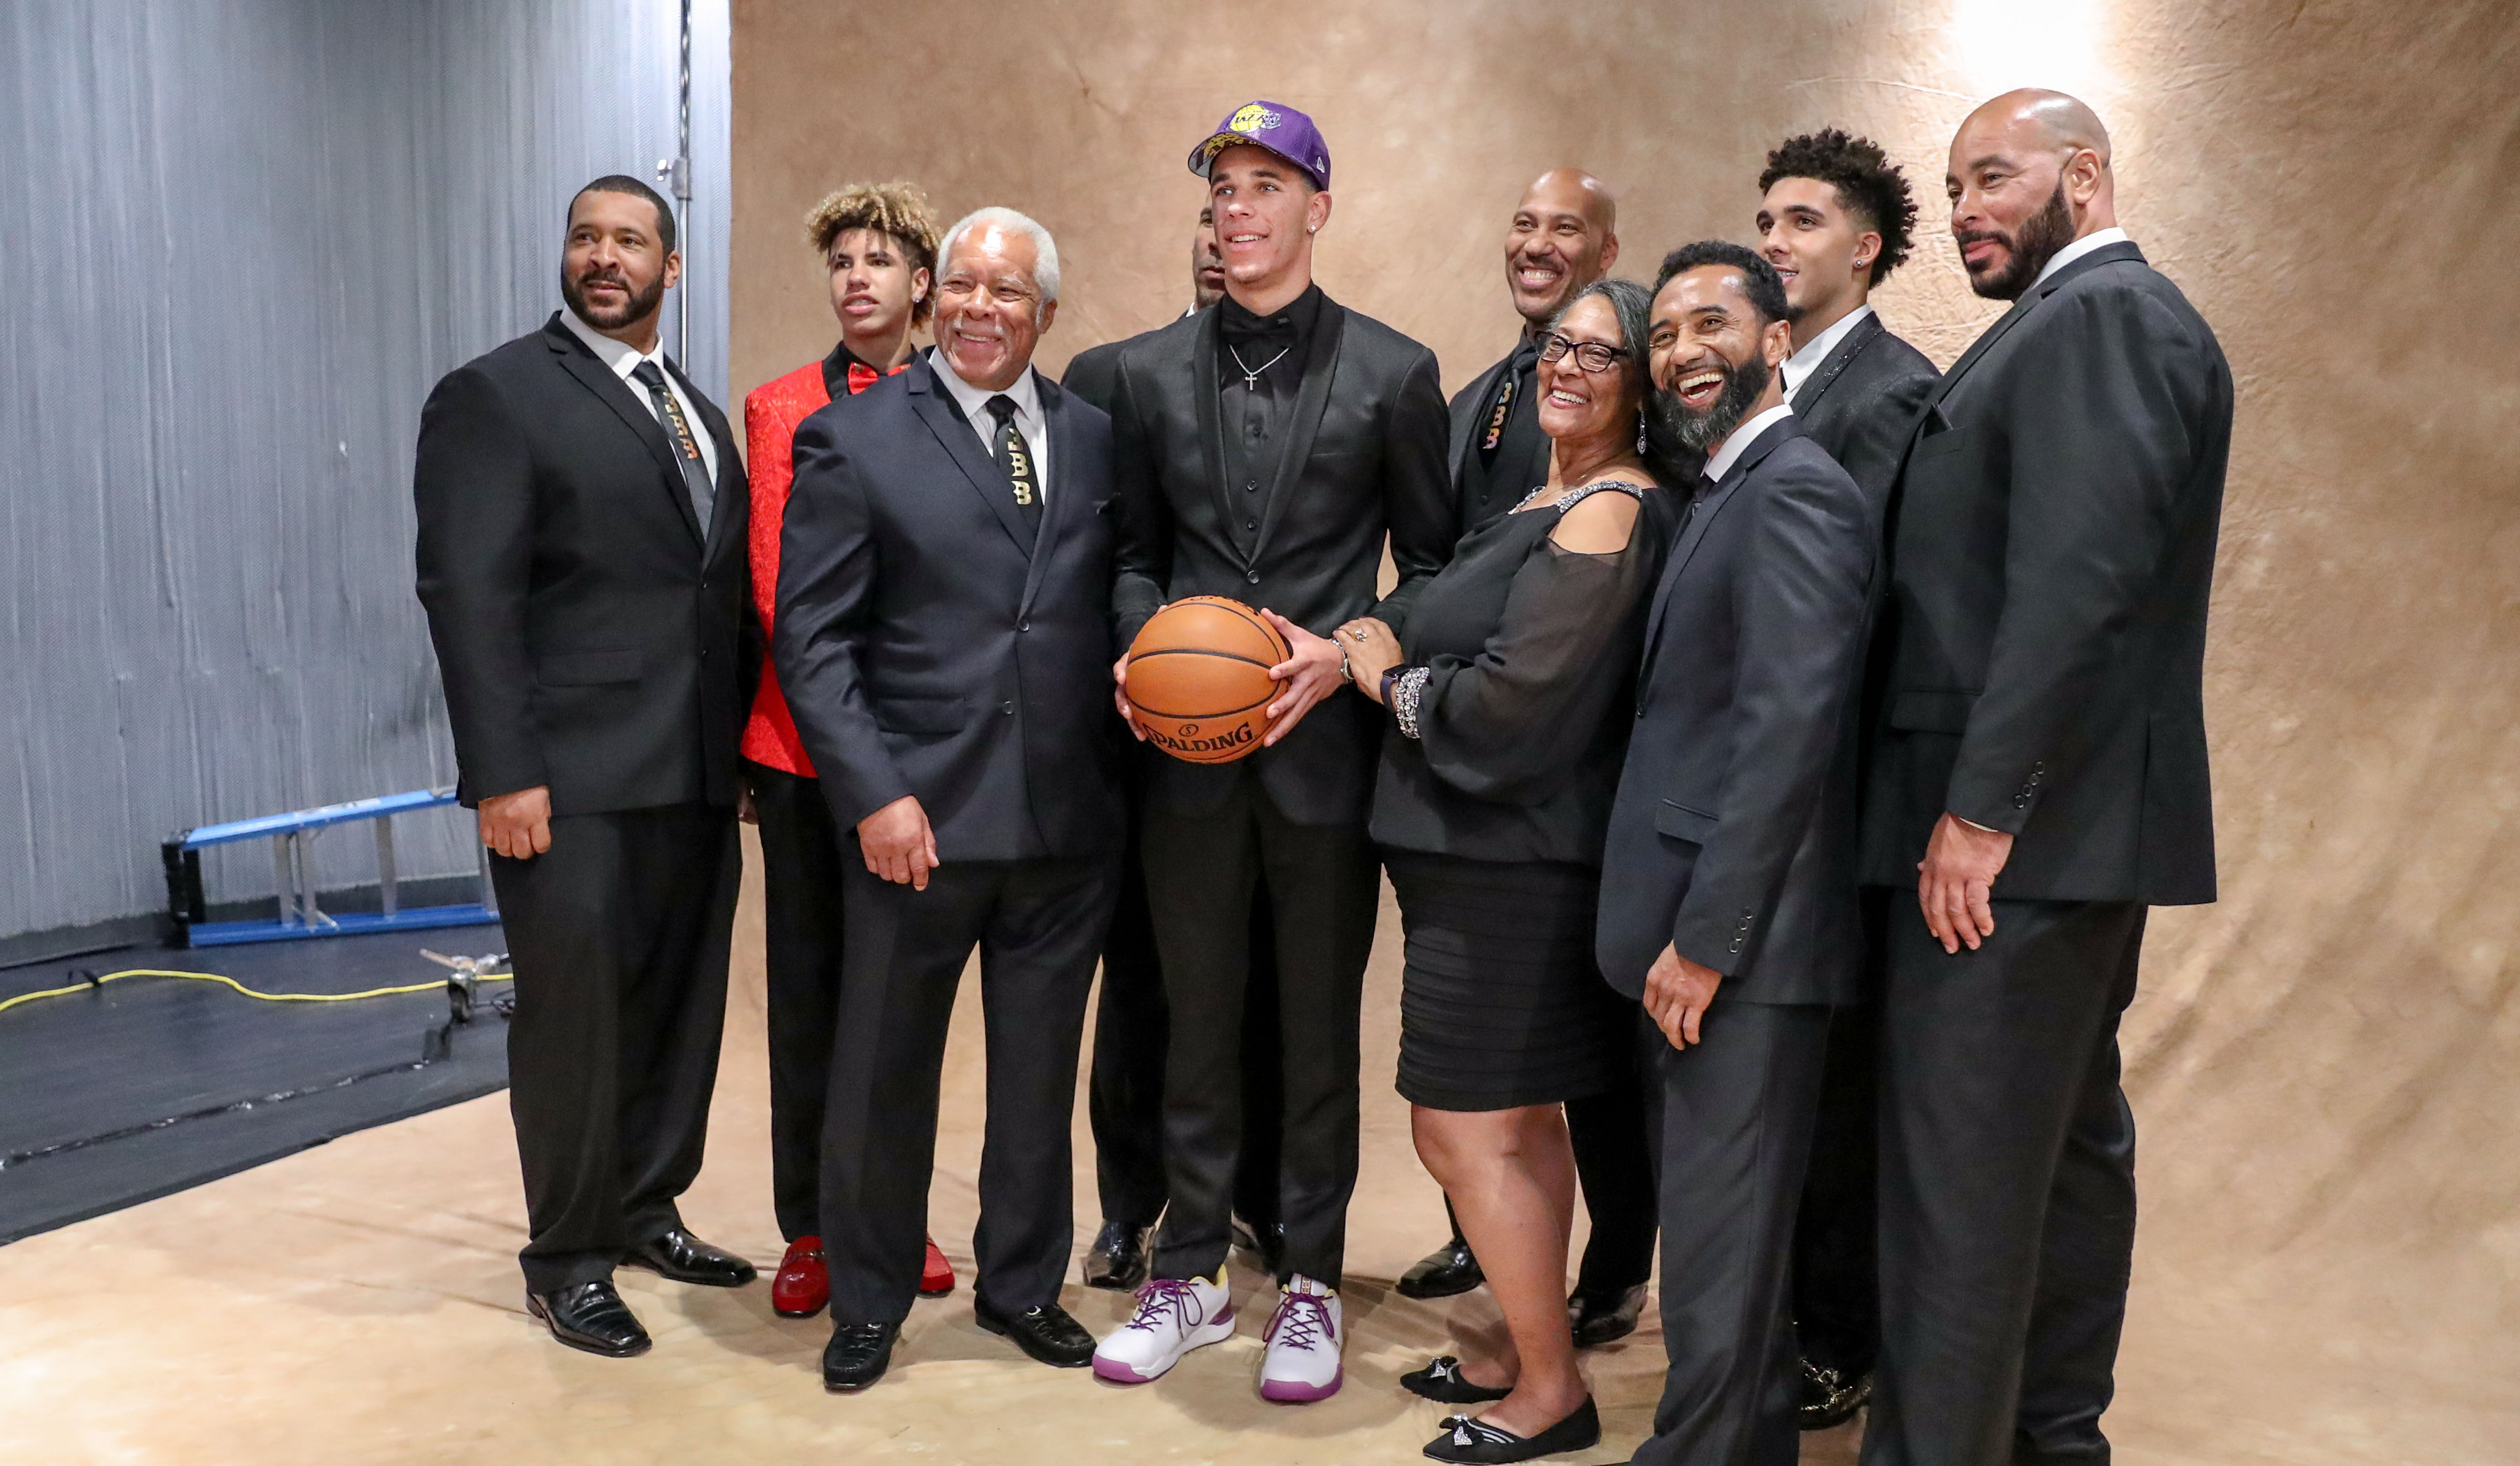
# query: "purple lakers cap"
[[1280, 129]]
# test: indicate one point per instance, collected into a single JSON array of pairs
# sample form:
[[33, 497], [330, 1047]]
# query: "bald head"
[[1564, 236], [2029, 175]]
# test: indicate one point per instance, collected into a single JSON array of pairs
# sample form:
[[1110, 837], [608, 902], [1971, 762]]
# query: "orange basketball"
[[1199, 676]]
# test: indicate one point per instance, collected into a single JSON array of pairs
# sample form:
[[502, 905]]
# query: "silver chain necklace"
[[1251, 374]]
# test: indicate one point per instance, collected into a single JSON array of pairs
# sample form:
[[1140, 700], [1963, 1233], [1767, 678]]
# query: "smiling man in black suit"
[[2038, 782], [943, 634], [1835, 218], [581, 556]]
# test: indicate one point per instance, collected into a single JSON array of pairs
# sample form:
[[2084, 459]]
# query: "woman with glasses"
[[1510, 703]]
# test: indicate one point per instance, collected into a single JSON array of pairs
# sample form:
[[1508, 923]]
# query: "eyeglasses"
[[1591, 355]]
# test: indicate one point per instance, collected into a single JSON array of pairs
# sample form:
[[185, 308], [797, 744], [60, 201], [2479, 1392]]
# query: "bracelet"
[[1405, 692], [1389, 674], [1346, 673]]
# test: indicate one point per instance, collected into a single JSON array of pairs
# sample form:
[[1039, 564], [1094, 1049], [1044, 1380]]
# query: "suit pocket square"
[[588, 668], [1681, 822]]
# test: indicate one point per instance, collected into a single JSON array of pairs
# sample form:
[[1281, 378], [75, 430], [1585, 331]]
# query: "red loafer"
[[803, 1284], [936, 1279]]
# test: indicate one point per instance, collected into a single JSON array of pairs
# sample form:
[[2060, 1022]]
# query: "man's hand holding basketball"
[[1311, 674], [898, 845], [1120, 698]]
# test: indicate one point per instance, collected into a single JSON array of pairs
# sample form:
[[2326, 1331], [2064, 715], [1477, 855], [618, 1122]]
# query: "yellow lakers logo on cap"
[[1254, 119]]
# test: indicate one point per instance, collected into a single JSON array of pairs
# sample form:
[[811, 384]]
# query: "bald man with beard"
[[2040, 780], [1563, 237]]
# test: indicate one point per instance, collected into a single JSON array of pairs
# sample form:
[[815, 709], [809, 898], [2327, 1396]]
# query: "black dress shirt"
[[1258, 399]]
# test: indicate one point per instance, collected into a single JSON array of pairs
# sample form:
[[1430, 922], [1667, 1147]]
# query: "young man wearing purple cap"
[[1266, 450]]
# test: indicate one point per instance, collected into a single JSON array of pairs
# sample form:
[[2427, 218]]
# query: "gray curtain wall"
[[243, 238]]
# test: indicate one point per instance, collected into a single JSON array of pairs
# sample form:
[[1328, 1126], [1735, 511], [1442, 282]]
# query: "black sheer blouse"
[[1520, 675]]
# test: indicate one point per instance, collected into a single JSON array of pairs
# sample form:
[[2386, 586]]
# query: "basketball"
[[1199, 676]]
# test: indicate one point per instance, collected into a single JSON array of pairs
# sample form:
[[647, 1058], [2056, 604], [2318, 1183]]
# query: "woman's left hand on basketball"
[[1371, 650], [1311, 675]]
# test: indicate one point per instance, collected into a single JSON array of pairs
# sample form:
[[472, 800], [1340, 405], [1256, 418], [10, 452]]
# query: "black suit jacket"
[[592, 636], [2051, 557], [1860, 404], [1093, 375], [929, 645], [1467, 416], [1751, 649], [1364, 459]]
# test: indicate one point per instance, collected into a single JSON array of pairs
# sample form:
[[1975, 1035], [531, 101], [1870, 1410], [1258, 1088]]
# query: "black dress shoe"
[[686, 1258], [1264, 1240], [590, 1316], [1047, 1333], [858, 1355], [1476, 1440], [1118, 1259], [1447, 1270], [1829, 1397], [1599, 1318], [1441, 1382]]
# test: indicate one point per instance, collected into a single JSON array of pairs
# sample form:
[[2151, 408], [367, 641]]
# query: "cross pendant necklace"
[[1251, 374]]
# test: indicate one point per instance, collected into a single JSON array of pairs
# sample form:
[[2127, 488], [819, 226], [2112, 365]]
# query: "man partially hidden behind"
[[1835, 218], [2040, 781], [943, 632], [1563, 237], [1713, 890], [1266, 450], [581, 556], [878, 246], [1125, 1099]]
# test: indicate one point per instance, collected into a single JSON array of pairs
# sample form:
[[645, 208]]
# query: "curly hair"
[[899, 210], [1867, 184]]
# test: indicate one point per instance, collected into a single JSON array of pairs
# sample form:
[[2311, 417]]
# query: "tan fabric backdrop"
[[2325, 1064]]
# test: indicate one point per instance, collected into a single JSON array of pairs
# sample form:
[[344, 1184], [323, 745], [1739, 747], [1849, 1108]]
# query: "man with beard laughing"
[[581, 555], [1712, 885], [2039, 780]]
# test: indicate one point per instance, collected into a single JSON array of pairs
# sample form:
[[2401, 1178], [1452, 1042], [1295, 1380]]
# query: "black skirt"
[[1502, 1003]]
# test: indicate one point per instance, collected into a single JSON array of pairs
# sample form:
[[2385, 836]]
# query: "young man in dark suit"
[[1713, 890], [944, 630], [2040, 780], [1125, 1098], [1266, 450], [581, 555], [1835, 218], [1563, 237]]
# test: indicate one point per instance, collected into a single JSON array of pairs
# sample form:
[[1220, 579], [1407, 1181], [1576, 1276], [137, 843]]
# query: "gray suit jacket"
[[1751, 648], [2052, 556]]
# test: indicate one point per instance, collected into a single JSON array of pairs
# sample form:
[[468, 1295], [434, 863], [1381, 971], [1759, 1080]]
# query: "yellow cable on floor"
[[265, 997]]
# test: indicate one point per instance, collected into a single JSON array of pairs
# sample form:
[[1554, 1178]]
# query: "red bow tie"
[[861, 376]]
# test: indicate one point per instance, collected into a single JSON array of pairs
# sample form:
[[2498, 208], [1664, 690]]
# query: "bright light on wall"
[[2002, 44]]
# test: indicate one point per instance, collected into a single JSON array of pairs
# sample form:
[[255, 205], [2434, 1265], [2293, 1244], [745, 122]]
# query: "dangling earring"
[[1640, 432]]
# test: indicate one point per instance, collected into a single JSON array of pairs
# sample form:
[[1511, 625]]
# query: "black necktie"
[[686, 448], [1500, 406], [1017, 456]]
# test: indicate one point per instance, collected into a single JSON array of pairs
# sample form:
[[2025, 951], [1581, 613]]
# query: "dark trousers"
[[1039, 926], [1132, 1028], [2008, 1188], [1837, 1286], [800, 912], [1203, 872], [618, 937], [1734, 1136]]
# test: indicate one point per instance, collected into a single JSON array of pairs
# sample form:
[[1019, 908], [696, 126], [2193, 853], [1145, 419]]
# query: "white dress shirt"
[[2094, 240], [1740, 442], [624, 358], [1799, 366], [1028, 419]]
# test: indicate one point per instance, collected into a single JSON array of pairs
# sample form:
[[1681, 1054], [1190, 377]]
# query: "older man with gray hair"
[[943, 634]]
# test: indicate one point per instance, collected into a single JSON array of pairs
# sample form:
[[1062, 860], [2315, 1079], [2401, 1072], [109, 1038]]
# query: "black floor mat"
[[148, 1085]]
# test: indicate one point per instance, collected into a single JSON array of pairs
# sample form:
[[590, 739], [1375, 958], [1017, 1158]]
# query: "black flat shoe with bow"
[[1441, 1382], [1476, 1440]]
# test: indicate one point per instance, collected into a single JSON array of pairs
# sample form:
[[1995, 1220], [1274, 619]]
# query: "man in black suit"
[[1711, 882], [1125, 1098], [1835, 218], [1266, 450], [2040, 780], [582, 516], [1563, 237], [943, 628]]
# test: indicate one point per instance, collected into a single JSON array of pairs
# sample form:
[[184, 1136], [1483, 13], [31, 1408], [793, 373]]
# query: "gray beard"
[[1703, 433]]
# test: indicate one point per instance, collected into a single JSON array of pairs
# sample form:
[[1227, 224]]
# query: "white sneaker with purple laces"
[[1174, 1316], [1302, 1363]]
